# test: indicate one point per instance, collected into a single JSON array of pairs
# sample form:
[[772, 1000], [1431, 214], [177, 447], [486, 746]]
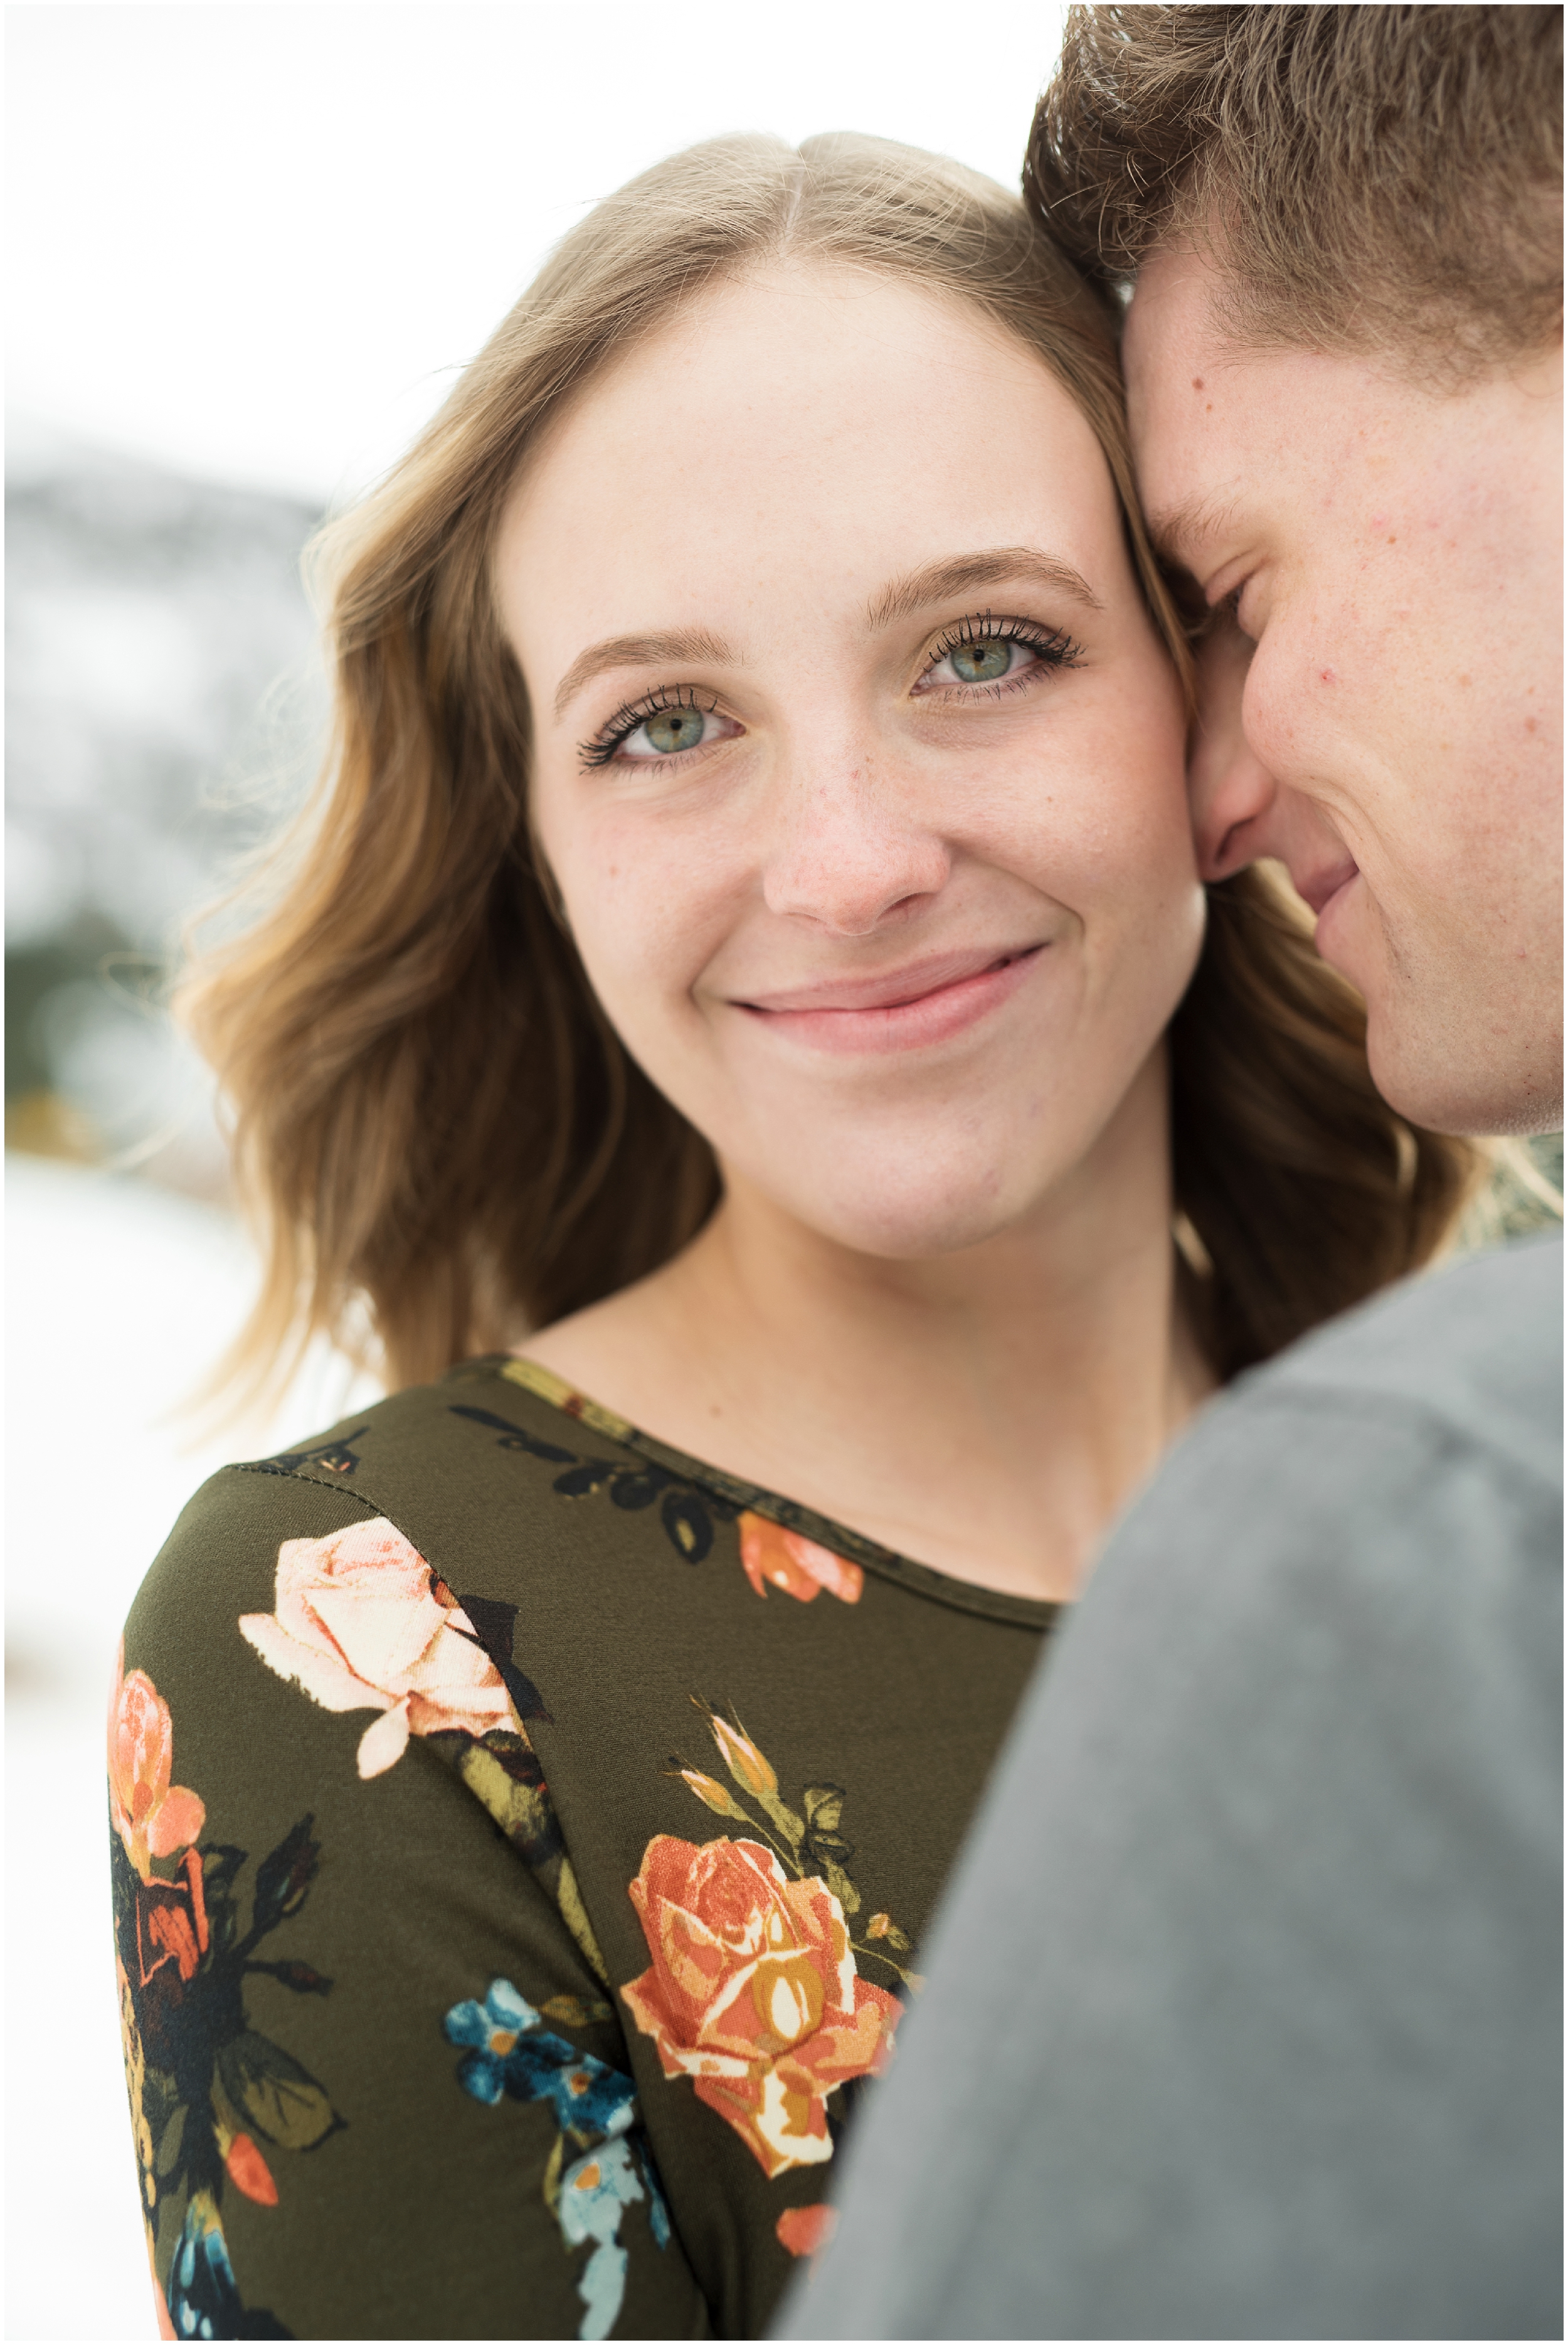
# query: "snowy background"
[[248, 246]]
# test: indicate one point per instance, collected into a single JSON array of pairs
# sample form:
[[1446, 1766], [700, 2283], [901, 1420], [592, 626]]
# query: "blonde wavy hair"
[[442, 1139]]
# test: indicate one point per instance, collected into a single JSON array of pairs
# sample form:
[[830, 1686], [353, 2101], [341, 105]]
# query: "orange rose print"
[[805, 2230], [772, 1556], [152, 1816], [752, 1992], [363, 1623]]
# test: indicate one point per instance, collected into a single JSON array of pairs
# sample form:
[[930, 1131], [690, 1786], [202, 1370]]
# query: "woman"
[[750, 937]]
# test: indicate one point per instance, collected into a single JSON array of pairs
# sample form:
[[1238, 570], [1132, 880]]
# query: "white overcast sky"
[[254, 241]]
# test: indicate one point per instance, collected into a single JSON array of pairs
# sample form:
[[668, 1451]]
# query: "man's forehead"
[[1176, 355], [1171, 311]]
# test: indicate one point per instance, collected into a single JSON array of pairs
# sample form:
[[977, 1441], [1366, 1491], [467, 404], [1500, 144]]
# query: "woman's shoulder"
[[434, 1441], [494, 1477], [564, 1550], [259, 1520], [517, 1492], [499, 1466]]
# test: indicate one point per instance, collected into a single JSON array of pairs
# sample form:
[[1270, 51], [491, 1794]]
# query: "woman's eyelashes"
[[980, 658], [990, 658], [662, 726]]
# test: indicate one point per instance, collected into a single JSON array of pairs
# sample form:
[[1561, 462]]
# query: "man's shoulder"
[[1411, 1449], [1474, 1349], [1372, 1523]]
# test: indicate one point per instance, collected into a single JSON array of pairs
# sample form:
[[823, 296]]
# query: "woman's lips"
[[906, 1011]]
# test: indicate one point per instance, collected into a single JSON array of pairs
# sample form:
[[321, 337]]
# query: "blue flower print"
[[509, 2052], [593, 2193], [513, 2052], [202, 2296], [492, 2028]]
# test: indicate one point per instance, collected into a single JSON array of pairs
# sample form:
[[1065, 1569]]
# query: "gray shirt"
[[1244, 2006]]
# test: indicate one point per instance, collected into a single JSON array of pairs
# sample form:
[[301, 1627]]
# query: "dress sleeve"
[[378, 2086]]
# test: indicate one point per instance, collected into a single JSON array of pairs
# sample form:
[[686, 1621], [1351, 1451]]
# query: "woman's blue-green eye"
[[663, 734], [672, 729], [983, 662], [980, 660]]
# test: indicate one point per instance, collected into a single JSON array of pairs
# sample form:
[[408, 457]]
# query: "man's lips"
[[1318, 889], [925, 1001]]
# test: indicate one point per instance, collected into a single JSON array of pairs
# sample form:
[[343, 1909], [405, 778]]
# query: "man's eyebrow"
[[640, 651], [1179, 534], [1001, 565]]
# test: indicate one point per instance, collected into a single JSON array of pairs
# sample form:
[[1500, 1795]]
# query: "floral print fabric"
[[211, 2098], [442, 2014], [510, 2051], [772, 1556], [154, 1817], [752, 1992], [362, 1622]]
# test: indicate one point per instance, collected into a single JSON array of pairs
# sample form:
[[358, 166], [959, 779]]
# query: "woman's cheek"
[[1139, 893], [646, 929], [1124, 835]]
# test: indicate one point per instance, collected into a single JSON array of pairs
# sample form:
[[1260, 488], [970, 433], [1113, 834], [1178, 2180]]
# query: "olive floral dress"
[[521, 1837]]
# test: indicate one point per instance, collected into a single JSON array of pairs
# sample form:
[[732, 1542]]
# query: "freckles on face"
[[1272, 479], [1394, 550], [856, 760]]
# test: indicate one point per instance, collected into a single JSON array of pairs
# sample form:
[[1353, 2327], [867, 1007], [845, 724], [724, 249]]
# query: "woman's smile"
[[925, 1002]]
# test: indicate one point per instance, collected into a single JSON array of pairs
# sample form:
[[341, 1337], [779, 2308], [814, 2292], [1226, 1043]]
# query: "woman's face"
[[856, 759]]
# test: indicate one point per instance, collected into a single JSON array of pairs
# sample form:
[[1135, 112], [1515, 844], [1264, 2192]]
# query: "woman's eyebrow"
[[1002, 565], [640, 651], [937, 581]]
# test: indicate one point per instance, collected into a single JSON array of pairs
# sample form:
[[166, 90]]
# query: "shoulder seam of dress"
[[291, 1474]]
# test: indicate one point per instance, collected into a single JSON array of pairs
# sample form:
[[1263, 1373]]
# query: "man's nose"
[[1232, 794], [848, 850]]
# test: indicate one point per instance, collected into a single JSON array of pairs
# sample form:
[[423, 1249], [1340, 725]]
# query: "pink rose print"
[[152, 1816], [363, 1623]]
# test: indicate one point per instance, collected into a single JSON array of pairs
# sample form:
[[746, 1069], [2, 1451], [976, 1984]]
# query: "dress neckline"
[[886, 1563]]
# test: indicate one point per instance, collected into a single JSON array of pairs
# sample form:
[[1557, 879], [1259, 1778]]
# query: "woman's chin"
[[909, 1219]]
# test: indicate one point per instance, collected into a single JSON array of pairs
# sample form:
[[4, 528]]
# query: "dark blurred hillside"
[[161, 703]]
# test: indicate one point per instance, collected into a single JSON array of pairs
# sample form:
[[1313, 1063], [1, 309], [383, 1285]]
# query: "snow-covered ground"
[[120, 1296]]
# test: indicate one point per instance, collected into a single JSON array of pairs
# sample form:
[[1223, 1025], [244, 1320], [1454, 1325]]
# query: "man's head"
[[1343, 360]]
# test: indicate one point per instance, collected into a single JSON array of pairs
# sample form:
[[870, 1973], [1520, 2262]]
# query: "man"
[[1242, 2013]]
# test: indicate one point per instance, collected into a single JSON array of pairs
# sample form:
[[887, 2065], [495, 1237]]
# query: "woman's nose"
[[846, 853], [1231, 792]]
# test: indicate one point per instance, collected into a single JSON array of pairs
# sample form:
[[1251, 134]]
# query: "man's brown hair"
[[1382, 179]]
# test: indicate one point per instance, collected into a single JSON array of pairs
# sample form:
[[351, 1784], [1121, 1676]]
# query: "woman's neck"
[[986, 1412]]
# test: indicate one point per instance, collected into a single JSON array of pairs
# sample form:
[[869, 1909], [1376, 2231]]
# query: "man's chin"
[[1444, 1082], [1437, 1054]]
